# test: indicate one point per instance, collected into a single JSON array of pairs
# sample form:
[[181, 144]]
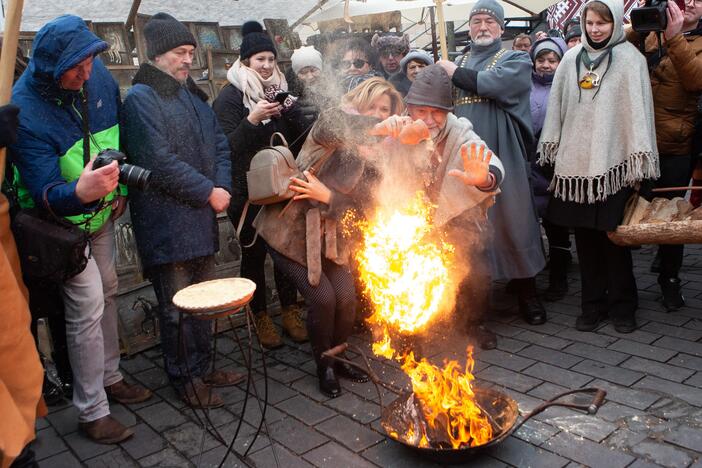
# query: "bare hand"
[[312, 189], [119, 204], [392, 126], [219, 199], [449, 66], [675, 20], [540, 35], [476, 166], [264, 110], [94, 184]]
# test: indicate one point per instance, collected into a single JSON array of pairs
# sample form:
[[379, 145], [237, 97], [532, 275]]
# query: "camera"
[[652, 16], [129, 175]]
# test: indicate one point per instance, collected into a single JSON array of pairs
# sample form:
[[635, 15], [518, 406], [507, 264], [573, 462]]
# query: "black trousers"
[[253, 261], [332, 303], [676, 171], [606, 275]]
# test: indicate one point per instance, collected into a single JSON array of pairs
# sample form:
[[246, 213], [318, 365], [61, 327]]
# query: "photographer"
[[63, 83], [676, 82]]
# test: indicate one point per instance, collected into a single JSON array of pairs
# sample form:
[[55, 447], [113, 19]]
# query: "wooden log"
[[676, 232]]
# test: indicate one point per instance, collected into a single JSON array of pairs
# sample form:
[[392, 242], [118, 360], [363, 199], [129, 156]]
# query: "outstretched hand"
[[312, 188], [476, 166]]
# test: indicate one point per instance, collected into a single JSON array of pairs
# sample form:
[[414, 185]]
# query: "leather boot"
[[482, 336], [52, 392], [293, 325], [106, 430], [198, 395], [672, 297], [127, 394], [589, 320], [328, 383], [530, 306], [267, 333], [351, 373]]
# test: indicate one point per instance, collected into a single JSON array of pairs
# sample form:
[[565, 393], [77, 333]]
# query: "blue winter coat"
[[49, 146], [169, 129]]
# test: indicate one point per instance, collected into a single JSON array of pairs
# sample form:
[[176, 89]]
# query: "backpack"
[[268, 177]]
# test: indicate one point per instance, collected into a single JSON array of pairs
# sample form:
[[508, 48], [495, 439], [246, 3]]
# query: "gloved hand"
[[8, 124]]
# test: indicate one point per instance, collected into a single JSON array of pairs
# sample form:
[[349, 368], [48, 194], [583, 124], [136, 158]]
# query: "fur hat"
[[254, 40], [431, 87], [391, 42], [489, 7], [163, 33]]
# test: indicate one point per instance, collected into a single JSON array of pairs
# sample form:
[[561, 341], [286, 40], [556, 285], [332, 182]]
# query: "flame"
[[448, 400], [406, 276]]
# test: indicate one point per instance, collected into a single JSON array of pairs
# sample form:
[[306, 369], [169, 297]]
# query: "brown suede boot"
[[106, 430], [293, 324], [267, 333], [124, 393], [201, 396]]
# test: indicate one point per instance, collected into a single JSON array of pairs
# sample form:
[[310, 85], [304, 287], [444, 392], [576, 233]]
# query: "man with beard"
[[493, 86], [170, 130]]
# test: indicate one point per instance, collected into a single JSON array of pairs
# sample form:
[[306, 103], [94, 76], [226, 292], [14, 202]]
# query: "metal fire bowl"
[[502, 409]]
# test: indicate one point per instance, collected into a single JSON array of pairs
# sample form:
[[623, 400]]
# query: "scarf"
[[255, 88], [545, 80], [600, 146]]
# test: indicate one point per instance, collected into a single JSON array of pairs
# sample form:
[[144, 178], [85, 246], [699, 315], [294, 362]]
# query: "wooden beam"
[[132, 14], [434, 49], [13, 18]]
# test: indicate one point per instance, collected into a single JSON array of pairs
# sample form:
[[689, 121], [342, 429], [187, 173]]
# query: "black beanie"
[[254, 40], [163, 33]]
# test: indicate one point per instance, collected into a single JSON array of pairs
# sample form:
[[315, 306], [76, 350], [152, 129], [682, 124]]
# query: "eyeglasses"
[[358, 63]]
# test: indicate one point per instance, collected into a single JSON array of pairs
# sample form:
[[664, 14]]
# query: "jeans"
[[91, 327], [167, 280]]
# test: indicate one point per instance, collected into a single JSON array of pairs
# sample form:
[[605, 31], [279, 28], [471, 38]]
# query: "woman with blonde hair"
[[305, 237]]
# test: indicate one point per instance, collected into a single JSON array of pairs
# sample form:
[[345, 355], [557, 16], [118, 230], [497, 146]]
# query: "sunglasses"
[[358, 63]]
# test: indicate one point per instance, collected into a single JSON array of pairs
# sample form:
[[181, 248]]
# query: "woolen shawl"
[[253, 86], [600, 143]]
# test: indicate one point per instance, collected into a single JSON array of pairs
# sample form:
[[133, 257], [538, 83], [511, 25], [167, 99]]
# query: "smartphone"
[[281, 97]]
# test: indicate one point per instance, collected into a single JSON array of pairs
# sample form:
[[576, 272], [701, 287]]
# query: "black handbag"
[[50, 248]]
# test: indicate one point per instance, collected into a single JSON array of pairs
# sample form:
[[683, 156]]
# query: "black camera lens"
[[134, 176]]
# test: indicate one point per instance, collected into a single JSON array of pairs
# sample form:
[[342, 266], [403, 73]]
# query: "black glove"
[[8, 124]]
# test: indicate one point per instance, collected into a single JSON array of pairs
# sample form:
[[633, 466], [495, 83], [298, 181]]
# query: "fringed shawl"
[[600, 144]]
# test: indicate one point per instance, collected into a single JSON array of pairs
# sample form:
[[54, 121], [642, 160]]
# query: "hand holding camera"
[[94, 184]]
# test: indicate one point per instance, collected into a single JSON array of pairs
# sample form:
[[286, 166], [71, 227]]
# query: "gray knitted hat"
[[418, 55], [163, 33], [489, 7], [431, 87]]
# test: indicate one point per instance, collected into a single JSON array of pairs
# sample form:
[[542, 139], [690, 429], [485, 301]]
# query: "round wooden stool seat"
[[214, 299]]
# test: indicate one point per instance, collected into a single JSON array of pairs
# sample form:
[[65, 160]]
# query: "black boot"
[[530, 306], [589, 320], [672, 297], [481, 335], [351, 373], [560, 259], [624, 324], [328, 383], [656, 263], [52, 392]]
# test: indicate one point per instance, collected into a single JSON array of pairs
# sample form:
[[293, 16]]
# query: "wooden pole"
[[308, 14], [13, 18], [442, 28], [451, 36], [132, 14], [432, 19]]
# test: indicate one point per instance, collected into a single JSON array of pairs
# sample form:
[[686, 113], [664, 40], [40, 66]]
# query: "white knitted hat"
[[306, 56]]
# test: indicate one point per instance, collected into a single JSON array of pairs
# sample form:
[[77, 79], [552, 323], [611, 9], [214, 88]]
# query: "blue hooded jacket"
[[49, 146]]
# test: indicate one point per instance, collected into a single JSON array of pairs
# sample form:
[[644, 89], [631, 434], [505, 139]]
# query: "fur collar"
[[164, 84]]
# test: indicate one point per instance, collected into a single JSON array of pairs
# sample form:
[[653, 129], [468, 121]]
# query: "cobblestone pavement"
[[652, 415]]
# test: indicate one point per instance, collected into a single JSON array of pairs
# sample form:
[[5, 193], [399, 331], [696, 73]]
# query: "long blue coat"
[[170, 130]]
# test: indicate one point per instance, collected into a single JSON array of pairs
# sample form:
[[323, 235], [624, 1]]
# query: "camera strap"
[[85, 124]]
